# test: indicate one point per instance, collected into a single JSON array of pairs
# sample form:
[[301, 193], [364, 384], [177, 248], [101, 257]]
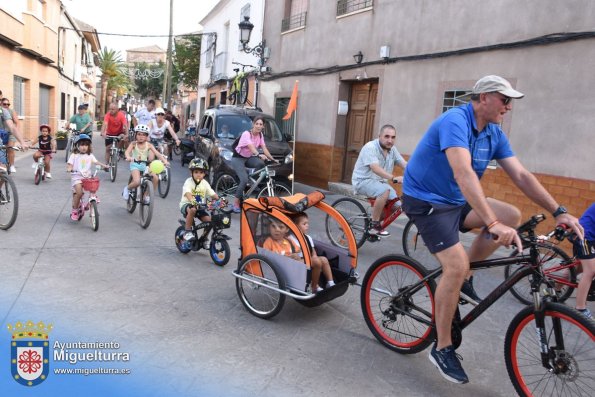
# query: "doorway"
[[360, 123]]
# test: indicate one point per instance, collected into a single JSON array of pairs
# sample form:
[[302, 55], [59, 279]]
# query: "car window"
[[272, 131], [232, 126]]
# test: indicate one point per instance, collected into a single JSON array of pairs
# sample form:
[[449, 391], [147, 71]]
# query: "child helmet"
[[45, 126], [143, 129], [83, 138], [198, 164]]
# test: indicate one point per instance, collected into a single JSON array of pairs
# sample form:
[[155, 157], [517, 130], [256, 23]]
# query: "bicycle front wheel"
[[67, 150], [414, 246], [164, 183], [570, 342], [94, 214], [551, 259], [113, 166], [9, 202], [357, 218], [399, 312], [279, 189], [37, 179], [146, 203], [226, 186]]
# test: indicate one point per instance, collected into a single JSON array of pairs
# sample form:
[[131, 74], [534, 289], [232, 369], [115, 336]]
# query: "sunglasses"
[[5, 104], [160, 114], [505, 99]]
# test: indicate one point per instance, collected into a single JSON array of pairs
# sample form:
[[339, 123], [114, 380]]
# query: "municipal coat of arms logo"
[[29, 352]]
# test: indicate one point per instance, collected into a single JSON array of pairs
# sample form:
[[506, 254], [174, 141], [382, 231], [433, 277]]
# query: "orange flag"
[[292, 102]]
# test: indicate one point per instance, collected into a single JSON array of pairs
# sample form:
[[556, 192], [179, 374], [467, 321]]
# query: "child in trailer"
[[196, 190], [319, 263], [47, 146], [80, 164], [279, 243]]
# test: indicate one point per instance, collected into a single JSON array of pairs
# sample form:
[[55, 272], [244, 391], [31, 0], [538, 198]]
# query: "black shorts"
[[199, 213], [583, 249], [108, 140], [438, 224]]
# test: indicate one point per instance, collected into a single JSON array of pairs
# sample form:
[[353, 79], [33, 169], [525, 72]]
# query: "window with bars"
[[454, 98], [295, 15], [347, 6], [18, 102], [287, 126]]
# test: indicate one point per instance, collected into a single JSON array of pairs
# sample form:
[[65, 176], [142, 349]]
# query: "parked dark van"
[[223, 124]]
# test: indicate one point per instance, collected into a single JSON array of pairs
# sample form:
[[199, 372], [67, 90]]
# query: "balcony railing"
[[347, 6], [218, 71], [293, 22]]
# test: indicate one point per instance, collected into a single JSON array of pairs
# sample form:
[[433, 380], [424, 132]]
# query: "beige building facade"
[[417, 59], [43, 50]]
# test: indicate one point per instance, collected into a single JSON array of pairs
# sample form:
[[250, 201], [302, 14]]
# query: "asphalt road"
[[181, 319]]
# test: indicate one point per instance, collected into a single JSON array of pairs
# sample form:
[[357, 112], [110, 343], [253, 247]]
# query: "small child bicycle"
[[219, 248]]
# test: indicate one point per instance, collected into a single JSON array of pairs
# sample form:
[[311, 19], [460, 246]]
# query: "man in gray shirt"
[[373, 169], [145, 115], [7, 127]]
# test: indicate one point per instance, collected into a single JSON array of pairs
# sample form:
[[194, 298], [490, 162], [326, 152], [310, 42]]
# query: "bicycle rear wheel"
[[357, 217], [146, 206], [94, 214], [570, 339], [9, 202], [113, 166], [393, 308], [243, 93], [280, 189], [414, 246], [550, 260], [164, 183]]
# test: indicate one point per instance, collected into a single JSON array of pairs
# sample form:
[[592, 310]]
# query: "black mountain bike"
[[549, 348]]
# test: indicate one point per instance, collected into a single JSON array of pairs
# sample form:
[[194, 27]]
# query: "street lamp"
[[260, 51]]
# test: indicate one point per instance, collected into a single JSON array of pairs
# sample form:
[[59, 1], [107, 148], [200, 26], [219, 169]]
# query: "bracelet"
[[491, 225]]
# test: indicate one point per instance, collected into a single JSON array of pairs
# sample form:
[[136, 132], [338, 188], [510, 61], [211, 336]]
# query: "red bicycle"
[[555, 266], [360, 218]]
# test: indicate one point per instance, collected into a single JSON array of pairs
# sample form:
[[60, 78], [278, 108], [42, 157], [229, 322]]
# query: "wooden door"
[[360, 124]]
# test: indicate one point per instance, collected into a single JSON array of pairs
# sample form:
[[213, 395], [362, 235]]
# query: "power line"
[[139, 35]]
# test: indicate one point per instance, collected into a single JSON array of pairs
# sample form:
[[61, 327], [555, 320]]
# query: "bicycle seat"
[[236, 70]]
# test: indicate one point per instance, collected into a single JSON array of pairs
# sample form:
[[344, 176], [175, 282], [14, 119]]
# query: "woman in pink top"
[[247, 155]]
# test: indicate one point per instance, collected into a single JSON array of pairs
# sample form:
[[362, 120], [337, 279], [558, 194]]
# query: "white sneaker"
[[125, 193], [330, 284], [206, 244], [188, 236], [48, 175], [147, 200], [12, 169]]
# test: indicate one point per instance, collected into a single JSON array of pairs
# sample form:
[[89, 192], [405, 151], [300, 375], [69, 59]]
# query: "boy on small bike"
[[47, 146], [196, 190], [139, 154]]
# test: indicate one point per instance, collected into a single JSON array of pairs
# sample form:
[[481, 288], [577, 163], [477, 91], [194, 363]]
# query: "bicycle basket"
[[91, 184], [222, 221]]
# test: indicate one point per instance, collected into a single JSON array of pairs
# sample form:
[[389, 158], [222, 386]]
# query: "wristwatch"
[[561, 210]]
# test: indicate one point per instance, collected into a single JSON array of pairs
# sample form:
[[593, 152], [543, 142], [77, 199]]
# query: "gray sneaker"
[[206, 244]]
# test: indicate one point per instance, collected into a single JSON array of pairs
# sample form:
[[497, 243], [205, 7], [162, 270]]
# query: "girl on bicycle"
[[196, 190], [159, 128], [139, 153], [80, 164], [47, 146], [246, 155]]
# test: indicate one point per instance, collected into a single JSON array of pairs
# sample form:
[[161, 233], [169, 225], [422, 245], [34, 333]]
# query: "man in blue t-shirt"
[[442, 195]]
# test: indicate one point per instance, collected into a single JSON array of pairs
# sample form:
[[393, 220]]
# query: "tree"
[[112, 67], [148, 79], [187, 60]]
